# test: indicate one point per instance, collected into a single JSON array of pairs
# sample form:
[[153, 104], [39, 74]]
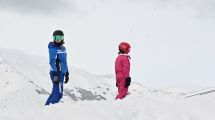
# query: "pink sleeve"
[[126, 67]]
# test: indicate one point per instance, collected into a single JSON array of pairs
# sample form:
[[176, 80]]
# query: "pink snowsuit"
[[122, 70]]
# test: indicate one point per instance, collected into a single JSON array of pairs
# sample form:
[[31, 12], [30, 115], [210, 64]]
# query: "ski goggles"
[[58, 38]]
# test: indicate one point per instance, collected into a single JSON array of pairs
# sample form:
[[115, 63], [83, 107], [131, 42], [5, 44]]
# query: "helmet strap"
[[121, 52]]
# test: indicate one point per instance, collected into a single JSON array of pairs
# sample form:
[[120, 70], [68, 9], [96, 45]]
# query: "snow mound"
[[25, 85]]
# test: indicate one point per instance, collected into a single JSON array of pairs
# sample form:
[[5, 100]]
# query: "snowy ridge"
[[25, 86], [34, 70]]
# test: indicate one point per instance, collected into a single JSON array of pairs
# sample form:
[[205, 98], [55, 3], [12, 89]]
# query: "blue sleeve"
[[64, 66], [52, 57]]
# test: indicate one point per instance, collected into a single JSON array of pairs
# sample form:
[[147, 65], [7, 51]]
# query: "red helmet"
[[125, 47]]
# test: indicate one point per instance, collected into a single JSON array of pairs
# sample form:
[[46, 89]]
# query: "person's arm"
[[64, 66], [52, 58], [126, 71], [63, 61], [126, 67]]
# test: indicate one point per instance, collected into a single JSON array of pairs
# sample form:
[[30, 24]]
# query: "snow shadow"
[[82, 95]]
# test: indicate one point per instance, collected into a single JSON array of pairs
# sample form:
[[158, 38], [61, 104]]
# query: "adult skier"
[[59, 68], [122, 70]]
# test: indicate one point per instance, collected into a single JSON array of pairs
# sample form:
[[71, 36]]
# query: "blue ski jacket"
[[58, 58]]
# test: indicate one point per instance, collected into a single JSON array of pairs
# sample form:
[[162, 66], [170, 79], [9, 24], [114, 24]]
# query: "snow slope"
[[25, 86]]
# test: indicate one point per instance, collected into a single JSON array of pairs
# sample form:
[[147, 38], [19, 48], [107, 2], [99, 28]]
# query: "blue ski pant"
[[57, 89]]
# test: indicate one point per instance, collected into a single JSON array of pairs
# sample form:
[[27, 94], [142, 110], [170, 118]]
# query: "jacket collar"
[[125, 55]]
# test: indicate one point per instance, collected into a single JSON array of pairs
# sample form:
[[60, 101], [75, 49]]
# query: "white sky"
[[172, 41]]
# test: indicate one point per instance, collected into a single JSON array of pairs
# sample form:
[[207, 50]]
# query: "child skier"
[[122, 70], [59, 68]]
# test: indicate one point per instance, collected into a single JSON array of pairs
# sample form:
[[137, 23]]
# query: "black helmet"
[[58, 32]]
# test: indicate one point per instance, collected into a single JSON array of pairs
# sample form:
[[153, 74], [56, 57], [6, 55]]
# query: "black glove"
[[66, 77], [127, 81], [116, 85]]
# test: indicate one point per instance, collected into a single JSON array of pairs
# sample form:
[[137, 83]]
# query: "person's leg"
[[122, 90], [49, 100], [60, 87], [57, 90]]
